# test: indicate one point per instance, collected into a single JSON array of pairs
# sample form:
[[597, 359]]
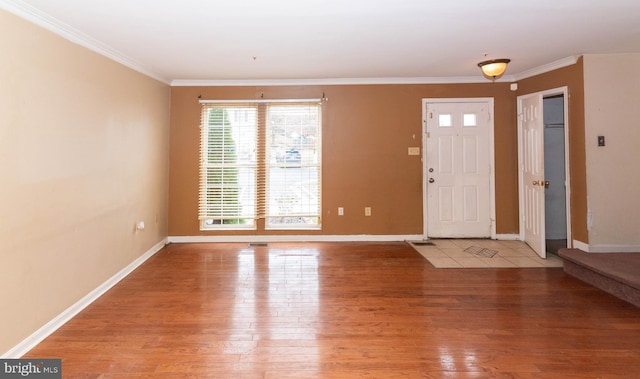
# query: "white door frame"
[[492, 179], [564, 91]]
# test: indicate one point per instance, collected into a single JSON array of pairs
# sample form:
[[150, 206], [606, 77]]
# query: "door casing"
[[490, 105]]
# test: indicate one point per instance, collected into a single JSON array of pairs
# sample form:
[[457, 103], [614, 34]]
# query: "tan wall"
[[366, 132], [571, 77], [612, 88], [83, 156]]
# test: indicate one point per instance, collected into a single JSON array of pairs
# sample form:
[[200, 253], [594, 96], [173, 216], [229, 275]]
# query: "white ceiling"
[[190, 41]]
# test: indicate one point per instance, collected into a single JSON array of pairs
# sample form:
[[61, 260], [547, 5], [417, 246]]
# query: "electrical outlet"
[[367, 211], [340, 211]]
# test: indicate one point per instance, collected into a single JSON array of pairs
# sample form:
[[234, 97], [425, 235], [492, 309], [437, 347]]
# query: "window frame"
[[263, 153]]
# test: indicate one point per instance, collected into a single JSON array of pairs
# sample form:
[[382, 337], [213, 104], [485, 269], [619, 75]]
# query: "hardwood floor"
[[344, 310]]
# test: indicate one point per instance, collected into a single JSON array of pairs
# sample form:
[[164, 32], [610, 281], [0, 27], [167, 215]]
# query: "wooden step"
[[615, 273]]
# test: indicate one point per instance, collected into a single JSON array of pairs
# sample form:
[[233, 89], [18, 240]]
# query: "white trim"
[[489, 101], [567, 160], [295, 238], [606, 248], [492, 168], [614, 248], [564, 62], [508, 237], [335, 81], [580, 245], [30, 342], [37, 17]]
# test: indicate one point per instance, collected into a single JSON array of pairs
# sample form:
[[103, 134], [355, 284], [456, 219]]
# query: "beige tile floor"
[[450, 253]]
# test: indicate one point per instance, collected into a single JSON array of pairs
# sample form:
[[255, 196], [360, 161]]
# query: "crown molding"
[[35, 16], [564, 62], [335, 81]]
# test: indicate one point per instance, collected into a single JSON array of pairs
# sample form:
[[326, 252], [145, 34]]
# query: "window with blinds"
[[260, 165], [228, 167]]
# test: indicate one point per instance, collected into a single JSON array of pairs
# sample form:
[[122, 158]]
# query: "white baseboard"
[[313, 238], [580, 245], [30, 342], [296, 238], [606, 248]]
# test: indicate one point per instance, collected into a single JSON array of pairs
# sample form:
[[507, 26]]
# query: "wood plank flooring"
[[344, 310]]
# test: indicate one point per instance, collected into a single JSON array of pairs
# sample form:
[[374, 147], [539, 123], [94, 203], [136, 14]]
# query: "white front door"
[[532, 181], [457, 169]]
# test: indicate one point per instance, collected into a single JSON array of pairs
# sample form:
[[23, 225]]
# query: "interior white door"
[[532, 181], [458, 170]]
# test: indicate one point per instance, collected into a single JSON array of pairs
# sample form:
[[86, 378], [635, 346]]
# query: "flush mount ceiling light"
[[494, 68]]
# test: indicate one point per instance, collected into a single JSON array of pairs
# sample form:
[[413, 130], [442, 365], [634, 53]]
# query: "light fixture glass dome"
[[494, 68]]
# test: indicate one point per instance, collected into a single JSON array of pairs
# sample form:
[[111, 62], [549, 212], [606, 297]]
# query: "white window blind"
[[228, 166], [260, 161], [294, 166]]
